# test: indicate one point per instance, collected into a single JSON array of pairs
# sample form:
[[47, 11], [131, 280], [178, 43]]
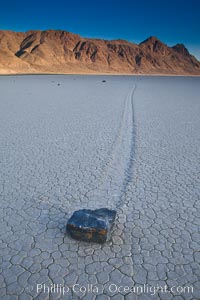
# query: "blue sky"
[[176, 21]]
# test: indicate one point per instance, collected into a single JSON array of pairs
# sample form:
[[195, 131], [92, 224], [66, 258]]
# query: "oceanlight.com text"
[[113, 288]]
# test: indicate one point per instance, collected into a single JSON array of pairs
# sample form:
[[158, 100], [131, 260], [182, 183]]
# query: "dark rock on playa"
[[91, 225]]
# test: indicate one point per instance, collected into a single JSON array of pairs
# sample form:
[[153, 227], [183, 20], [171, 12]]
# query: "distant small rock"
[[103, 80], [91, 225]]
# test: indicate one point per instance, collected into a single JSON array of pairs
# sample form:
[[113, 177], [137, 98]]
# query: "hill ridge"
[[59, 51]]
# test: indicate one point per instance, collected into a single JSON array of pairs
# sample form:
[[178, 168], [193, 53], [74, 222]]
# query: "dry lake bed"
[[131, 143]]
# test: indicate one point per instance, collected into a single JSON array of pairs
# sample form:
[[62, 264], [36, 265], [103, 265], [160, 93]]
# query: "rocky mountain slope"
[[56, 51]]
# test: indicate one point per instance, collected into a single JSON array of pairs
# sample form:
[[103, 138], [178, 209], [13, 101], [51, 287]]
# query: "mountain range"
[[57, 51]]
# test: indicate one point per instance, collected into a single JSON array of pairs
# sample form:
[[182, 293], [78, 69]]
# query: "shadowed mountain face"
[[56, 51]]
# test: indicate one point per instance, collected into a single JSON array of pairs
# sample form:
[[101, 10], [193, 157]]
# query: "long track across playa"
[[131, 143]]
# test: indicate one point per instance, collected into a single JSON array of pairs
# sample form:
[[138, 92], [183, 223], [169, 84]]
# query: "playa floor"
[[131, 143]]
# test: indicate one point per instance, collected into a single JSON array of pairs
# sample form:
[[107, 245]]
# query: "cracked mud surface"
[[131, 143]]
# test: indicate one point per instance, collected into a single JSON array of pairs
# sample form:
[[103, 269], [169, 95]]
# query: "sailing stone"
[[91, 225]]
